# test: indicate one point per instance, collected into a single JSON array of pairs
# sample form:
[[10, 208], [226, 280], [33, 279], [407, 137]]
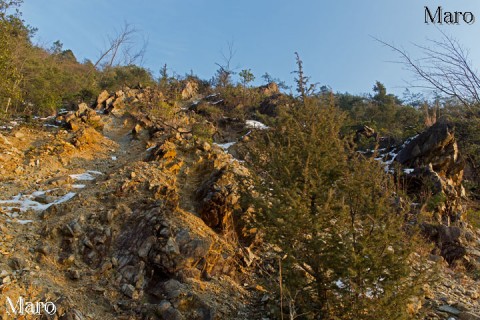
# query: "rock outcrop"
[[433, 165], [74, 120], [116, 103], [189, 90]]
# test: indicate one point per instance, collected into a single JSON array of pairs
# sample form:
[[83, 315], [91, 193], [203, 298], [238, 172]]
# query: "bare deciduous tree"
[[225, 71], [122, 48], [444, 66]]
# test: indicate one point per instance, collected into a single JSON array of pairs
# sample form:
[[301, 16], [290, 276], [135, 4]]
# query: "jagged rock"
[[118, 106], [437, 165], [167, 312], [269, 89], [217, 197], [102, 97], [172, 288], [69, 117], [189, 90], [82, 108], [129, 291], [73, 229], [137, 129]]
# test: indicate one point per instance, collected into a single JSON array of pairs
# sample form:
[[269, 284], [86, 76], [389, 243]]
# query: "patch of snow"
[[65, 198], [95, 172], [255, 125], [82, 177], [408, 170], [23, 221], [78, 186], [226, 145], [217, 102], [232, 160], [212, 96], [39, 193], [25, 202], [151, 148], [114, 158], [50, 125], [339, 283]]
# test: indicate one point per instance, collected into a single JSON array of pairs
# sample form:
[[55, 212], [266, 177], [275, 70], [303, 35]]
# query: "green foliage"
[[267, 78], [435, 201], [384, 112], [12, 31], [333, 213], [473, 216], [114, 77], [203, 130], [246, 77]]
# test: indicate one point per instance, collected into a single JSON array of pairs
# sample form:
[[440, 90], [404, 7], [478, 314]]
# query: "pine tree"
[[332, 211]]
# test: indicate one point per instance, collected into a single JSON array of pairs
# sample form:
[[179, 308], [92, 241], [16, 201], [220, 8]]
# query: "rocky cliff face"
[[430, 167]]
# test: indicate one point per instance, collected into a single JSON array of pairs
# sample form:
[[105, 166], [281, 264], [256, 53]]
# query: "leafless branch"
[[225, 71], [122, 48], [445, 67]]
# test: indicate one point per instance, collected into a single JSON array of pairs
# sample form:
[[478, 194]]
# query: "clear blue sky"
[[333, 37]]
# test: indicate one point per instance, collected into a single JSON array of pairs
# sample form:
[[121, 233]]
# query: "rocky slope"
[[109, 225], [111, 214]]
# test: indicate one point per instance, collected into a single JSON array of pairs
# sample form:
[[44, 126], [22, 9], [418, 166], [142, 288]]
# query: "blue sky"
[[333, 37]]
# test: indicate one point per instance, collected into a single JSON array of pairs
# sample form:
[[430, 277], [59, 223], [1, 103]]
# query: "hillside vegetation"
[[130, 197]]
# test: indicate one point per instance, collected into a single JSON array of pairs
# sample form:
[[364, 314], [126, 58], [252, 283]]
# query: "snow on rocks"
[[253, 124], [386, 156], [86, 176], [82, 176], [22, 203], [151, 148], [225, 146]]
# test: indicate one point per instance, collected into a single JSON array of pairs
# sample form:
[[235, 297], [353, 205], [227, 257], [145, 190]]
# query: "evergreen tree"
[[332, 211]]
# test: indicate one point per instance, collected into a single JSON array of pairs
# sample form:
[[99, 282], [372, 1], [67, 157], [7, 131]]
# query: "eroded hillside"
[[114, 212]]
